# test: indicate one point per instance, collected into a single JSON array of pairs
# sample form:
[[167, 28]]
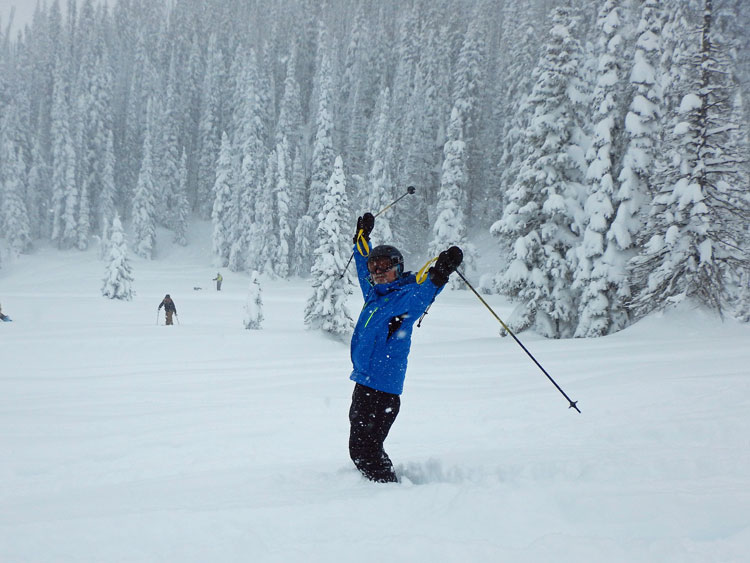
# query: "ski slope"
[[125, 440]]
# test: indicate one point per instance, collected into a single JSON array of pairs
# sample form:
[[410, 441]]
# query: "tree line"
[[603, 145]]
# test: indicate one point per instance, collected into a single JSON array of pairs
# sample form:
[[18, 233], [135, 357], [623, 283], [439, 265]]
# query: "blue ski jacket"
[[382, 337]]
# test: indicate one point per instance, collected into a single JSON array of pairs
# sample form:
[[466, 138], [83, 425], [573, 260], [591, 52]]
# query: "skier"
[[169, 308], [218, 279], [380, 345], [4, 318]]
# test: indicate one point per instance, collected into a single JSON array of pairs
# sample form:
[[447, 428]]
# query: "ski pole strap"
[[362, 246], [422, 273]]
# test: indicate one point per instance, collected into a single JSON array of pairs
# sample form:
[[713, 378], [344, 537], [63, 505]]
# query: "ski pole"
[[157, 317], [409, 190], [573, 404]]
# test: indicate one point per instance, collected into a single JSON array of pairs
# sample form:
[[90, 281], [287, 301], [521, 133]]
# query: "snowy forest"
[[602, 147]]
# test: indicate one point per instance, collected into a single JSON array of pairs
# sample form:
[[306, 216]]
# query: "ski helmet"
[[390, 252]]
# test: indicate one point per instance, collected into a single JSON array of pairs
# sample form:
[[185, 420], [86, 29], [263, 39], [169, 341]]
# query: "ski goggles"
[[380, 265]]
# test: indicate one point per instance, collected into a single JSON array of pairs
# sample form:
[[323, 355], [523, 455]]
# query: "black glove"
[[447, 263], [365, 223]]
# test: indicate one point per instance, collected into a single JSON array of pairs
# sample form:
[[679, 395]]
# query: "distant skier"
[[218, 279], [381, 342], [4, 318], [169, 308]]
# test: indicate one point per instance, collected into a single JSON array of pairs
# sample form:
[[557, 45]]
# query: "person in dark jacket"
[[169, 308], [380, 345]]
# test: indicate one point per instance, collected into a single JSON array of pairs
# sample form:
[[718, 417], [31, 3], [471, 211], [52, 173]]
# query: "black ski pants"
[[371, 416]]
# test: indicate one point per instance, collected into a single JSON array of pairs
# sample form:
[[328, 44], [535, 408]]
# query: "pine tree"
[[168, 175], [379, 179], [118, 279], [223, 212], [449, 228], [64, 188], [642, 130], [518, 75], [282, 210], [144, 204], [37, 193], [600, 275], [254, 304], [290, 122], [322, 156], [351, 92], [697, 222], [209, 127], [250, 144], [14, 219], [304, 239], [93, 113], [540, 218], [84, 219], [181, 204], [108, 195], [264, 242], [326, 308], [419, 163], [467, 87]]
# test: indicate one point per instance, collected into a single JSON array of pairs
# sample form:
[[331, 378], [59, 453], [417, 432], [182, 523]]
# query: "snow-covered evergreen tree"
[[641, 130], [108, 195], [323, 155], [517, 75], [223, 214], [144, 204], [93, 106], [304, 240], [250, 144], [290, 121], [600, 274], [37, 193], [420, 163], [467, 87], [540, 220], [14, 218], [695, 227], [181, 204], [450, 226], [326, 308], [263, 243], [64, 187], [209, 127], [167, 174], [380, 178], [282, 209], [254, 303], [118, 278], [84, 218]]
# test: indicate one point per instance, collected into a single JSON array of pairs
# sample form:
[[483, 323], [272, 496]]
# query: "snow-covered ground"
[[121, 440]]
